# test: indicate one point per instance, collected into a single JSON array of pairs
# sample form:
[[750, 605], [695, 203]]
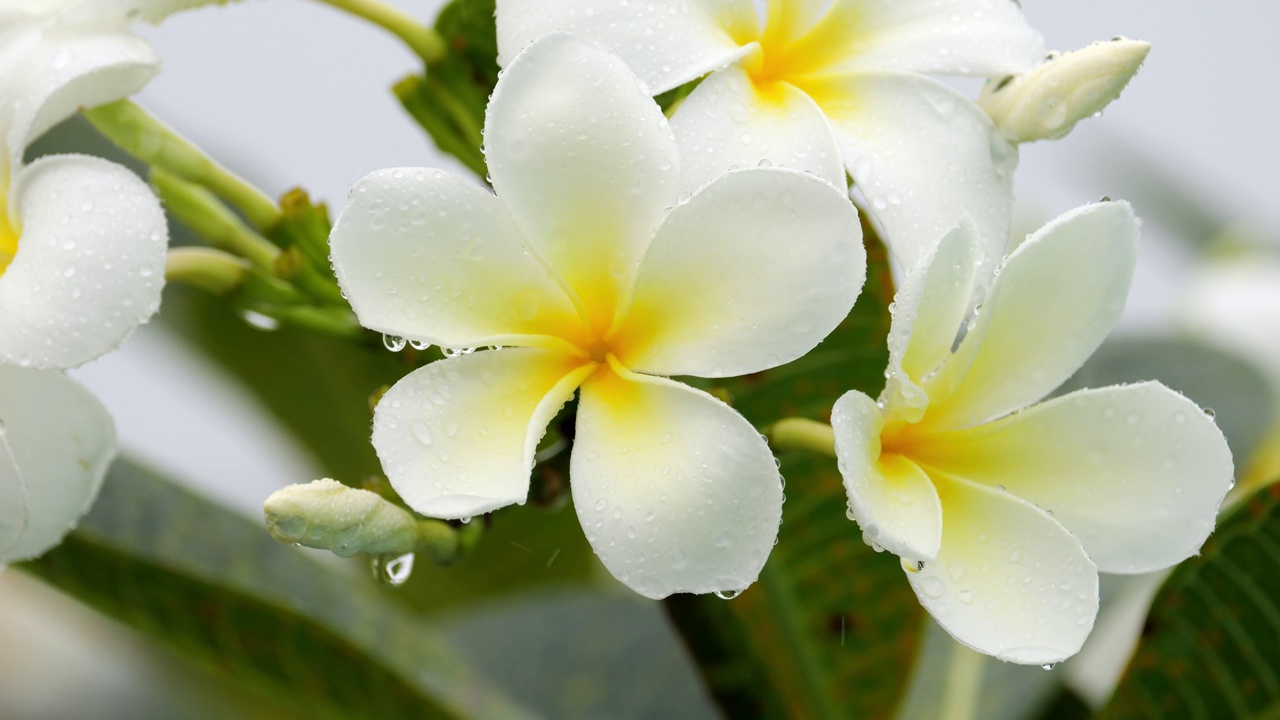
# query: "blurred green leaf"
[[1211, 646], [214, 586], [830, 628], [1236, 391], [449, 99]]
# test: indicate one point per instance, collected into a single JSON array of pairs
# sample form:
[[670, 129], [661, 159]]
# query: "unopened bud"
[[1047, 102], [328, 515]]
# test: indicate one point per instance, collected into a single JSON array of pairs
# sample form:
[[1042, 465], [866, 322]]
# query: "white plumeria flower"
[[1004, 514], [595, 275], [825, 86], [82, 240], [56, 442]]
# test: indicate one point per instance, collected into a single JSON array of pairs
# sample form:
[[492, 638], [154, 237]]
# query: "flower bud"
[[328, 515], [1048, 101]]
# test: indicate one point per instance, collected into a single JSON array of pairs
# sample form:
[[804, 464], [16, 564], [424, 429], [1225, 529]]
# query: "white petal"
[[928, 309], [727, 121], [1136, 472], [1053, 303], [752, 272], [46, 77], [456, 438], [1008, 581], [89, 266], [61, 442], [429, 256], [892, 499], [924, 157], [120, 12], [585, 161], [954, 37], [666, 42], [675, 490]]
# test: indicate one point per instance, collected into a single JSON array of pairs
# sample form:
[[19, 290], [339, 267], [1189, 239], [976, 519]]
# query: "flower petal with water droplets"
[[728, 121], [928, 310], [426, 255], [60, 441], [1008, 580], [585, 161], [89, 266], [46, 77], [925, 158], [984, 38], [675, 490], [666, 42], [457, 438], [752, 272], [1055, 300], [892, 499], [1135, 472]]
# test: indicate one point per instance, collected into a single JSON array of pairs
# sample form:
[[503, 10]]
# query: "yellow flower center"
[[801, 57], [8, 238]]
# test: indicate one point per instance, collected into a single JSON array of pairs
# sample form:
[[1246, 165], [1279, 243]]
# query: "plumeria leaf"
[[215, 587], [449, 99], [1211, 645], [828, 628]]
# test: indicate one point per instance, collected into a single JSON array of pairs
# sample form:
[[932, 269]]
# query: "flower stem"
[[140, 134], [199, 210], [424, 41], [802, 434], [964, 680], [211, 270]]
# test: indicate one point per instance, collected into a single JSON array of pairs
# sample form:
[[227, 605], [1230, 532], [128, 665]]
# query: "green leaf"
[[214, 586], [830, 628], [1211, 645], [449, 100]]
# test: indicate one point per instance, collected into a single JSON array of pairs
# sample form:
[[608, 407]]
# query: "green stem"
[[424, 41], [964, 680], [803, 434], [146, 138], [199, 210], [210, 270]]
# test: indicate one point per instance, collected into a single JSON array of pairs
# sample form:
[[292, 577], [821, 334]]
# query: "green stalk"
[[140, 134]]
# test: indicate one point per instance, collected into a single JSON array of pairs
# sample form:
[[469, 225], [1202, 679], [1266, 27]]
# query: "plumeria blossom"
[[1003, 513], [595, 275], [82, 240], [56, 442], [826, 86]]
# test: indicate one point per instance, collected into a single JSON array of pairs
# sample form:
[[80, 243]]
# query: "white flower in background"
[[1004, 514], [595, 276], [56, 442], [82, 240], [826, 86], [82, 244], [1047, 102]]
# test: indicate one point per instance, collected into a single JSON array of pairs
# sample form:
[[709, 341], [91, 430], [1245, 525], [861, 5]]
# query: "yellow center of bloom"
[[798, 51], [8, 238]]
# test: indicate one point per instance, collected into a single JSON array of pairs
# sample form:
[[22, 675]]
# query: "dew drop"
[[394, 343], [393, 571]]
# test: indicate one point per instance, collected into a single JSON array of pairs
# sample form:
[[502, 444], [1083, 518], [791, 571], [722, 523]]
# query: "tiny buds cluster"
[[1047, 102]]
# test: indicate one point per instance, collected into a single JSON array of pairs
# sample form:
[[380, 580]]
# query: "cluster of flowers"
[[621, 248]]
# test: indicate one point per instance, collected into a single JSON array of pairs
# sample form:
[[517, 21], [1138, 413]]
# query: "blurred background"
[[291, 92]]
